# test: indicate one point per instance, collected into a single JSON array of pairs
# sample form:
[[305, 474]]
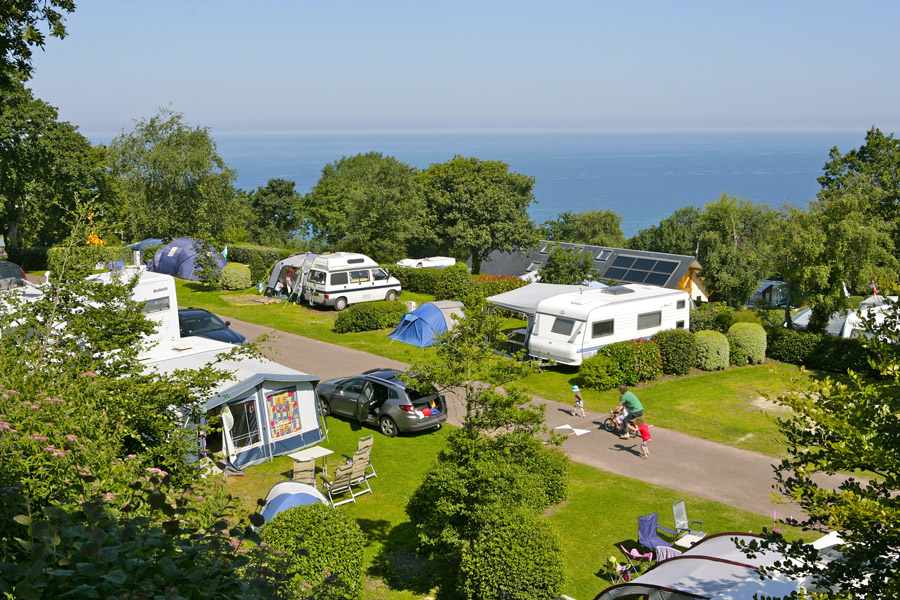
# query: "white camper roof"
[[580, 304], [340, 260], [527, 298], [196, 353]]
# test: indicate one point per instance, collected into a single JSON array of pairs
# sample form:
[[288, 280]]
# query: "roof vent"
[[617, 290]]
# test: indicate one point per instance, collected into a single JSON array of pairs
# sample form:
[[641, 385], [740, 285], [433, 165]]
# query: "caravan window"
[[562, 326], [359, 276], [339, 278], [679, 305], [648, 320], [602, 329], [245, 431], [155, 305], [379, 275]]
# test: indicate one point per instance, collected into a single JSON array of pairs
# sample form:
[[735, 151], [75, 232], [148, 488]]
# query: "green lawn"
[[601, 512]]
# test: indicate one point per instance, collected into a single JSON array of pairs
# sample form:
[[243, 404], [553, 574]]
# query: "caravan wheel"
[[340, 304]]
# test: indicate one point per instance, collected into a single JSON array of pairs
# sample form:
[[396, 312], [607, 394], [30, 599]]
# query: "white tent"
[[266, 410]]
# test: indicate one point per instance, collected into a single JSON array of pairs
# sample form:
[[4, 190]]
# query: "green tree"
[[567, 266], [677, 234], [594, 227], [474, 207], [44, 165], [366, 203], [21, 23], [172, 181], [276, 210], [734, 246], [851, 426]]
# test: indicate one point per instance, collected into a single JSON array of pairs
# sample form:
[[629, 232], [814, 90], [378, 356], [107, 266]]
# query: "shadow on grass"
[[398, 565]]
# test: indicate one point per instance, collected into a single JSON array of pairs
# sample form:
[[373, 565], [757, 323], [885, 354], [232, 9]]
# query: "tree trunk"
[[12, 237], [476, 263]]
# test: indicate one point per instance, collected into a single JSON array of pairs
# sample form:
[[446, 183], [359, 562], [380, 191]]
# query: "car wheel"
[[324, 408], [391, 296], [340, 304], [387, 426], [419, 265]]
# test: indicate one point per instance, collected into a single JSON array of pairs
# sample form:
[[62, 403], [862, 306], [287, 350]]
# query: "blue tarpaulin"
[[421, 326]]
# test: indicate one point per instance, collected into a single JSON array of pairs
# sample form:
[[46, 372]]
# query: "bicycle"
[[613, 422]]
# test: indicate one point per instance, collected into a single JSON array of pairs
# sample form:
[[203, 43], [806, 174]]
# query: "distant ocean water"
[[642, 177]]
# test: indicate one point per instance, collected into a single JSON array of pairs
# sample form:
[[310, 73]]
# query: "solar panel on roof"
[[665, 266], [644, 264], [656, 279], [623, 261], [614, 273]]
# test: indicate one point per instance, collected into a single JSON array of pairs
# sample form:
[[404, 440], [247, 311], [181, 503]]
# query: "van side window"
[[602, 328], [562, 326], [339, 278], [648, 320], [358, 276], [379, 275]]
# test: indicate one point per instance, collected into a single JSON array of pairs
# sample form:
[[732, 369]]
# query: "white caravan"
[[345, 278], [156, 292], [571, 326]]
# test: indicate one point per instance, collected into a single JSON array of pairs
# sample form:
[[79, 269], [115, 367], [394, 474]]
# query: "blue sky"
[[643, 65]]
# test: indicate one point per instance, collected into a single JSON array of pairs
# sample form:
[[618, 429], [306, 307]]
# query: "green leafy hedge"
[[712, 316], [627, 363], [318, 540], [418, 281], [678, 350], [369, 316], [516, 556], [817, 350], [31, 259], [747, 343], [712, 350], [491, 285], [552, 467], [454, 284], [236, 276], [86, 257], [242, 253]]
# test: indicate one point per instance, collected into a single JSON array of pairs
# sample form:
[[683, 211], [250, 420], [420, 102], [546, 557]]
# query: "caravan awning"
[[526, 299]]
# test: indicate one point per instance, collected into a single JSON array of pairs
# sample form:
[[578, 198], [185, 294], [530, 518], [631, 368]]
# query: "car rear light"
[[404, 408], [326, 296]]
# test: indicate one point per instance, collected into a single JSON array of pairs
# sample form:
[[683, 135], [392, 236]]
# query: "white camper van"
[[345, 278], [572, 326]]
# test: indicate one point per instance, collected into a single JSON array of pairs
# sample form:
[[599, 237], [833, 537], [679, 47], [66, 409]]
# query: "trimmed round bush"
[[516, 556], [747, 342], [317, 541], [370, 316], [236, 276], [791, 345], [455, 283], [599, 372], [712, 350], [637, 360], [678, 350]]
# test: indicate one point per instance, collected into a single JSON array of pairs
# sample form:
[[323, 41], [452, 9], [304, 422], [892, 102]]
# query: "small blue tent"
[[289, 494], [421, 326], [177, 258]]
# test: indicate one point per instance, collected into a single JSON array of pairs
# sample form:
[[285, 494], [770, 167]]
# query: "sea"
[[643, 177]]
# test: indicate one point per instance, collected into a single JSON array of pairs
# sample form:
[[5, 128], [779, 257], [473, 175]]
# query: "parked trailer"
[[570, 326]]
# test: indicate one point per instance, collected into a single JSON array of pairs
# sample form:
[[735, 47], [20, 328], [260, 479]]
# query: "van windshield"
[[316, 277]]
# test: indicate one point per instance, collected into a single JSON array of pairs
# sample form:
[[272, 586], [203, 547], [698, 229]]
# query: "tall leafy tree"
[[569, 266], [171, 180], [366, 203], [44, 165], [734, 246], [476, 206], [21, 29], [276, 212], [678, 233], [851, 426], [594, 227]]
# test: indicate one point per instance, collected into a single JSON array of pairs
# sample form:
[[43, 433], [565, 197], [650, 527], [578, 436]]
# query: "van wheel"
[[340, 304], [387, 426], [391, 296]]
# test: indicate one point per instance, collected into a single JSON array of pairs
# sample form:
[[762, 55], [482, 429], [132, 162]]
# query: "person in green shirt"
[[633, 409]]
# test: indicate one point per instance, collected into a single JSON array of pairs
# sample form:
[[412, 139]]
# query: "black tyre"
[[391, 296], [387, 426], [340, 304], [609, 424], [324, 407]]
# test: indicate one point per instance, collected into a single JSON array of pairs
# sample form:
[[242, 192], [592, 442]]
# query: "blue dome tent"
[[177, 258], [421, 326]]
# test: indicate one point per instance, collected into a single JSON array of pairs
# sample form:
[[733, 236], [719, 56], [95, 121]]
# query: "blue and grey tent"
[[421, 326], [178, 258]]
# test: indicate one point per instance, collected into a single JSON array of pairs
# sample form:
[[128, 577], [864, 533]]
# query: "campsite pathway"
[[678, 461]]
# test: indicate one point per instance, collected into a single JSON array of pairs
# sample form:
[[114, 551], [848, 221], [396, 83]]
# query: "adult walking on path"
[[681, 462]]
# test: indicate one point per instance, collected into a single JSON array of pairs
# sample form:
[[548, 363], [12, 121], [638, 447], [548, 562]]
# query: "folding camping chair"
[[359, 462], [683, 524], [304, 471], [635, 559], [366, 443], [339, 485], [647, 532]]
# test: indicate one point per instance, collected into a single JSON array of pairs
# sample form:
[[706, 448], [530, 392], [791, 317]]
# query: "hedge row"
[[243, 253], [369, 316], [86, 257], [419, 281], [452, 283], [817, 350], [31, 259]]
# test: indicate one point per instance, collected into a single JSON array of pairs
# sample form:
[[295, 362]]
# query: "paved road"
[[678, 461]]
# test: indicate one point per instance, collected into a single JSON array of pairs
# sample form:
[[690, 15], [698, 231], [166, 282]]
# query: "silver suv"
[[379, 397]]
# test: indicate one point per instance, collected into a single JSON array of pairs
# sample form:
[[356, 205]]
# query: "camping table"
[[686, 541], [314, 453]]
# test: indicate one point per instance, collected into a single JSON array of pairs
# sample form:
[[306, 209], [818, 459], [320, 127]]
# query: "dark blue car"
[[196, 321]]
